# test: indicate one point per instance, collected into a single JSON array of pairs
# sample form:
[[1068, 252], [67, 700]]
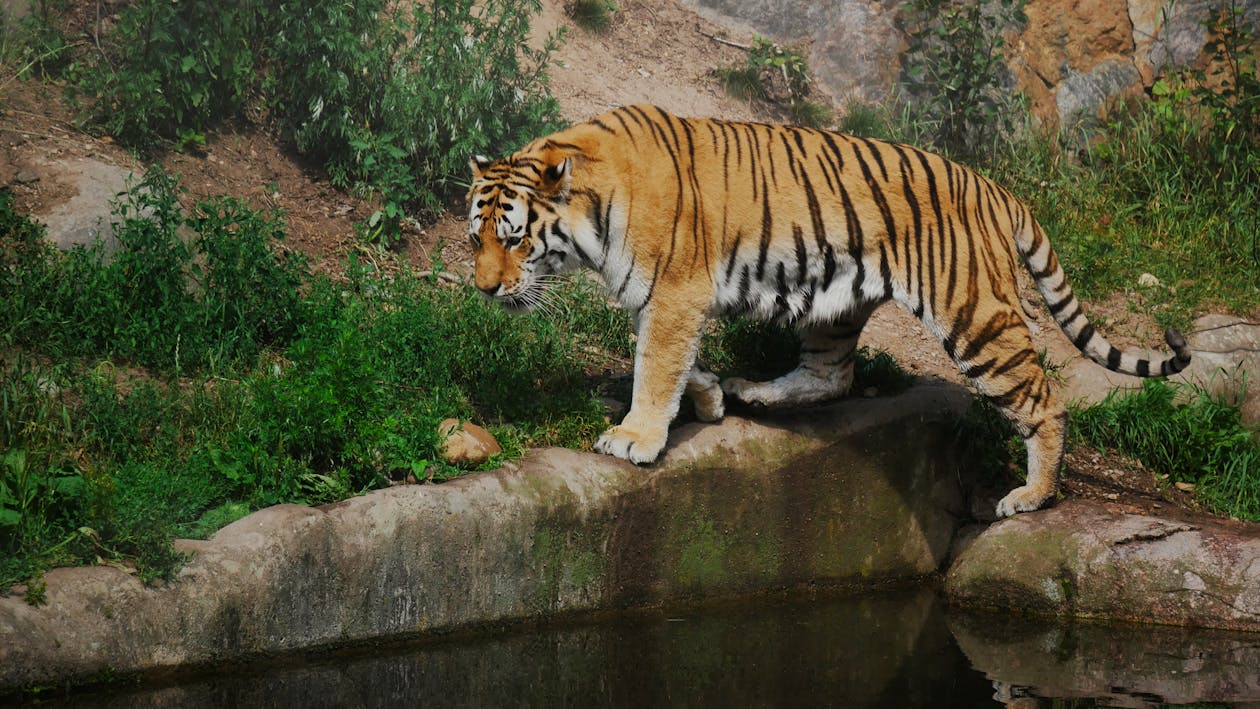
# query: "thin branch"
[[97, 37], [723, 40], [441, 275]]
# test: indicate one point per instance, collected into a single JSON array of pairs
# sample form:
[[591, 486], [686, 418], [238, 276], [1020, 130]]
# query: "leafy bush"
[[955, 71], [175, 68], [388, 104]]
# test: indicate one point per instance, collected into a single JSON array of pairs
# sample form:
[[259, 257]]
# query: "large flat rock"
[[1086, 559]]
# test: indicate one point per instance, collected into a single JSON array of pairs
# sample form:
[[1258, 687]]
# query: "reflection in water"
[[893, 650], [1121, 666]]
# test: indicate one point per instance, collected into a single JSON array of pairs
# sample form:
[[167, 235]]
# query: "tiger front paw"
[[1023, 499], [630, 444]]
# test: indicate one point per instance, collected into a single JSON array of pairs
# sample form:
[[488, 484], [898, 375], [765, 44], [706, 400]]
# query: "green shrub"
[[41, 492], [247, 289], [156, 301], [26, 275], [175, 68], [34, 45]]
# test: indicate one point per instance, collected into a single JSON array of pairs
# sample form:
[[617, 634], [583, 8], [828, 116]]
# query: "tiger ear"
[[556, 177], [479, 163]]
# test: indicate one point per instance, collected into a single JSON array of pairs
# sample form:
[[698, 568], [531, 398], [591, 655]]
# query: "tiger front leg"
[[669, 334]]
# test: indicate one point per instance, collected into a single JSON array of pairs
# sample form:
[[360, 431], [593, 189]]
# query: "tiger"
[[686, 219]]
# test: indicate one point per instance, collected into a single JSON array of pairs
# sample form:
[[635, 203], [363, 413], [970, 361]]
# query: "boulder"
[[1087, 559], [853, 45], [1072, 58], [84, 217], [1226, 361], [466, 444]]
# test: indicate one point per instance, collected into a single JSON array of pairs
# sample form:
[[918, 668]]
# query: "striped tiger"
[[685, 219]]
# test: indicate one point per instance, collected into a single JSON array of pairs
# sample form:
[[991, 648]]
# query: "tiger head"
[[517, 227]]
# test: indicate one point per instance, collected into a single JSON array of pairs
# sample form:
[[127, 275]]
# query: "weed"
[[776, 75], [878, 369], [742, 82], [1053, 370], [955, 71], [36, 593], [593, 15], [808, 113], [989, 445]]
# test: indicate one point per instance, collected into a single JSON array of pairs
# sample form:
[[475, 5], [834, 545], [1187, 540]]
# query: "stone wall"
[[831, 497], [1070, 58]]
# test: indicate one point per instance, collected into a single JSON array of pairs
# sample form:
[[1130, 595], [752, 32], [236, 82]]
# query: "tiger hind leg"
[[1005, 370], [825, 370], [705, 393]]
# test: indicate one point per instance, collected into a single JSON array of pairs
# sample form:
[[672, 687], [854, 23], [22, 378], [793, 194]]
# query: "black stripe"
[[766, 226], [730, 262], [626, 281], [989, 332], [879, 159], [1083, 337], [801, 255], [1049, 270], [815, 213], [829, 266], [1113, 359], [975, 371], [1056, 308], [745, 286]]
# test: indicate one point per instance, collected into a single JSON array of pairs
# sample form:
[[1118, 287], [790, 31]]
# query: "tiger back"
[[686, 219]]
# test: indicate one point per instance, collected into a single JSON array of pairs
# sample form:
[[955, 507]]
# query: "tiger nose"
[[489, 290]]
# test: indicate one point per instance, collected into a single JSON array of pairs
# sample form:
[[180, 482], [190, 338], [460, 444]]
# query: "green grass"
[[1185, 432], [1157, 192], [742, 82]]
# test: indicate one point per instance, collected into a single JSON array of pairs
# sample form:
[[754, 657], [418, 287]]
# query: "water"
[[896, 649]]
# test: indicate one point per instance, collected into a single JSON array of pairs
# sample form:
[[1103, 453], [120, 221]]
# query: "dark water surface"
[[896, 649]]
